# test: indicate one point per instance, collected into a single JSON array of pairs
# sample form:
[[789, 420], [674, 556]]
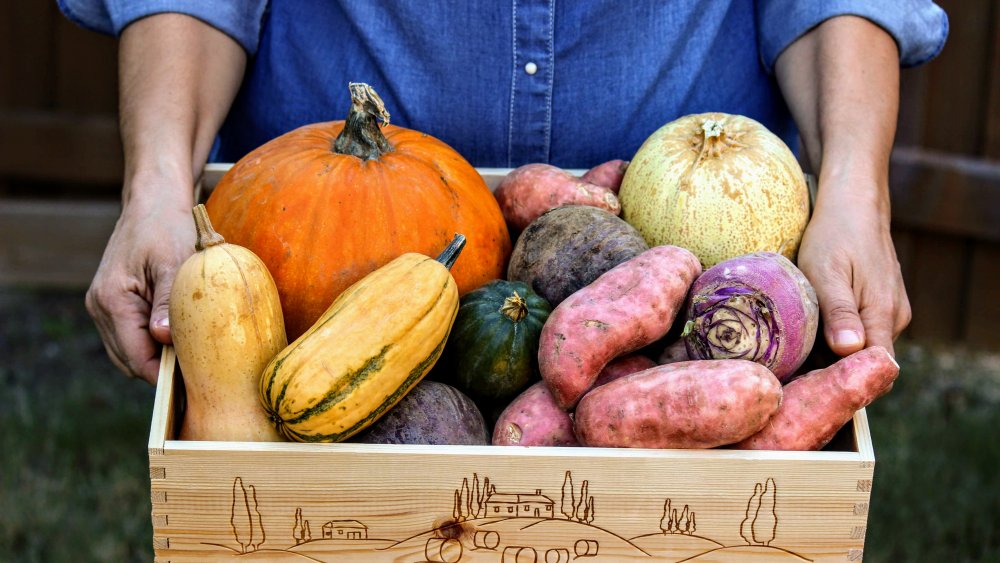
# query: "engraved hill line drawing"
[[508, 525]]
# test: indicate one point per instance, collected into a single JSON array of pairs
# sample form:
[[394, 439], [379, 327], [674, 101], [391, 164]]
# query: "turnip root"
[[627, 307], [817, 404], [757, 307], [608, 174], [534, 419], [530, 190], [620, 367], [696, 404]]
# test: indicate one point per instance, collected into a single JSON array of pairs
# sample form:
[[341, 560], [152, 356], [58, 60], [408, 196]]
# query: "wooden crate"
[[362, 502], [215, 501]]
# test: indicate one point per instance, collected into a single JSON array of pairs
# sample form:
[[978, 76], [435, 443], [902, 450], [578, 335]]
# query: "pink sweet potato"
[[819, 403], [608, 174], [696, 404], [627, 307], [530, 190], [620, 367], [534, 419]]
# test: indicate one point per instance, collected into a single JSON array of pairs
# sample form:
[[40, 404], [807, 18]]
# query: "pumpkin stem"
[[451, 252], [362, 136], [206, 234], [514, 307]]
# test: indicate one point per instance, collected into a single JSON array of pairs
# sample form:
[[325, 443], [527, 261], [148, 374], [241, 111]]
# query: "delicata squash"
[[373, 344]]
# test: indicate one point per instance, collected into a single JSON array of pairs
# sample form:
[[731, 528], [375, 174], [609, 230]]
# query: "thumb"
[[159, 316], [842, 326]]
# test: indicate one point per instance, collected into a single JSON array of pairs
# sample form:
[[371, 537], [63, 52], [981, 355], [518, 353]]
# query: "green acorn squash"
[[493, 346]]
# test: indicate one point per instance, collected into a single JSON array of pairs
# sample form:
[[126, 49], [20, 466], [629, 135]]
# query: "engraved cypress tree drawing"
[[466, 498], [589, 518], [746, 526], [694, 526], [579, 511], [240, 519], [256, 523], [298, 530], [308, 533], [568, 503], [760, 525], [457, 511], [666, 521], [765, 522]]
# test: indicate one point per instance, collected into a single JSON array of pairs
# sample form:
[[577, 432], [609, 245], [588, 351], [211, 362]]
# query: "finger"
[[122, 323], [879, 322], [159, 316], [842, 325]]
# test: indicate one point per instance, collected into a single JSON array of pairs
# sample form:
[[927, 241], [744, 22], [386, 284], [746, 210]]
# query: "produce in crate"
[[367, 350], [226, 324], [757, 307], [695, 404], [817, 404], [492, 351], [622, 366], [532, 189], [608, 174], [569, 247], [628, 307], [432, 413], [327, 203], [719, 185], [534, 419]]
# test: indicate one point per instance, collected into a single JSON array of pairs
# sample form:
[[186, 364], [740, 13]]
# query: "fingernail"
[[847, 338], [162, 323]]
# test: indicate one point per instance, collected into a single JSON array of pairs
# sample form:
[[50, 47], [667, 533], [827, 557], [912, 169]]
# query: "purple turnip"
[[757, 307]]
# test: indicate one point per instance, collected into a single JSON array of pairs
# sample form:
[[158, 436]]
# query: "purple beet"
[[756, 307]]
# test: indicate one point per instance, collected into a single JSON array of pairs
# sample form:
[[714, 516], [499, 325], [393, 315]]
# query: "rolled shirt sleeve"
[[919, 27], [239, 19]]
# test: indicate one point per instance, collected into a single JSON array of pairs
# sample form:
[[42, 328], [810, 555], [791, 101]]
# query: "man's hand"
[[841, 82], [848, 256], [128, 296]]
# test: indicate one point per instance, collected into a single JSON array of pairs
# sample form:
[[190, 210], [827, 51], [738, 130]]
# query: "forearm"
[[841, 82], [178, 77]]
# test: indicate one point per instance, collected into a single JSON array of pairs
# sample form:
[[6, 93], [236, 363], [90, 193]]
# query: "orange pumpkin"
[[326, 204]]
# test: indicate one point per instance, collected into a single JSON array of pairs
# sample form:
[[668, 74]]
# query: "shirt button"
[[531, 68]]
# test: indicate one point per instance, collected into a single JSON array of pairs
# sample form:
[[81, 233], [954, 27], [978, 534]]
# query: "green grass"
[[74, 479]]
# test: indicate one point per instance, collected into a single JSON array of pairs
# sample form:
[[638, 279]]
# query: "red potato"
[[627, 307], [530, 190], [620, 367], [696, 404], [534, 419], [608, 174], [819, 403]]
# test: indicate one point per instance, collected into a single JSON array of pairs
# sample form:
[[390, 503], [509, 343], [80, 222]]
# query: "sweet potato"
[[819, 403], [569, 247], [620, 367], [626, 308], [534, 419], [608, 174], [530, 190], [696, 404]]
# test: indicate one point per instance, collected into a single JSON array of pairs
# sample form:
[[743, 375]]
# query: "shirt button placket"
[[530, 120]]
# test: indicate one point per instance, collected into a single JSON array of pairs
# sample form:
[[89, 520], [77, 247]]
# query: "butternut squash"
[[226, 324], [374, 343]]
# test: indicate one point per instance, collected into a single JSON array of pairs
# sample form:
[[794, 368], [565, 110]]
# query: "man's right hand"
[[128, 296]]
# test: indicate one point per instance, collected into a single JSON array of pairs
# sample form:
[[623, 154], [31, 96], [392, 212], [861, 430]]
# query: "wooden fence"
[[60, 165]]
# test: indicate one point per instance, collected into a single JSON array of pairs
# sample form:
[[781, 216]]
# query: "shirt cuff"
[[240, 19], [919, 27]]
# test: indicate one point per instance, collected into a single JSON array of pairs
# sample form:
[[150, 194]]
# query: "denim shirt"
[[574, 83]]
